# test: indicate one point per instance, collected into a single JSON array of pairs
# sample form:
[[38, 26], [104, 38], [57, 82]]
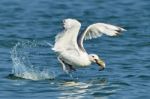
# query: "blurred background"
[[29, 69]]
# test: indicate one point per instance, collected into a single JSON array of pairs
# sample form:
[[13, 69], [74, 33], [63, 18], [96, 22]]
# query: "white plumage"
[[69, 43]]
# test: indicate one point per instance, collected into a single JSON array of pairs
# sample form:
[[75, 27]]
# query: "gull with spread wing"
[[69, 44]]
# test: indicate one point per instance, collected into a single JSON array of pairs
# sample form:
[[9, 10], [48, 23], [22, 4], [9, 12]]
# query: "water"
[[29, 69]]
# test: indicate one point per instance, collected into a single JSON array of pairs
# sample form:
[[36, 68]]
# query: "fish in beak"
[[101, 63]]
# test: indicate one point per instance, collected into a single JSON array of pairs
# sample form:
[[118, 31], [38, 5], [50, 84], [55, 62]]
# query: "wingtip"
[[119, 31], [122, 29]]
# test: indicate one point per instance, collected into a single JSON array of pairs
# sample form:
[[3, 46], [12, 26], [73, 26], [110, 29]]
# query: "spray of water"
[[22, 67]]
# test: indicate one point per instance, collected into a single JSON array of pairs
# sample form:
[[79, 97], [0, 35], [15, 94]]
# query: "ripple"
[[102, 94], [129, 76], [13, 77], [121, 83], [144, 77]]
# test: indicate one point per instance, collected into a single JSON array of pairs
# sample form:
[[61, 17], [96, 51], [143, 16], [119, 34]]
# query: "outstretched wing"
[[67, 40], [97, 30]]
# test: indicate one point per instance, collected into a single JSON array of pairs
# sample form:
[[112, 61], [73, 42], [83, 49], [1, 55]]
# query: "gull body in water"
[[69, 44]]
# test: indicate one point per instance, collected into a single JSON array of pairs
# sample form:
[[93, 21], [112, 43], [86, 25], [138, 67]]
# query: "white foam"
[[22, 66]]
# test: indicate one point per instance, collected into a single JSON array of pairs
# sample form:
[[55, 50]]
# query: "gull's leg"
[[71, 67], [63, 65]]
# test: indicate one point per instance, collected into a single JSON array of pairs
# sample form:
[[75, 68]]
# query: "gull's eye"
[[93, 56]]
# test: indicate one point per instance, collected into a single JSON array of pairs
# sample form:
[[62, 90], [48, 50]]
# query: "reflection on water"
[[79, 90]]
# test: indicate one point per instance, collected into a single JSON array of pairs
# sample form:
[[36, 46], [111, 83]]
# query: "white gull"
[[69, 44]]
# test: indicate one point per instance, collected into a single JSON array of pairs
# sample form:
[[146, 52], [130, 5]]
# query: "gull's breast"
[[76, 60]]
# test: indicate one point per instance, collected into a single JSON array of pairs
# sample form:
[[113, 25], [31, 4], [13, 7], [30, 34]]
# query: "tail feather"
[[51, 45]]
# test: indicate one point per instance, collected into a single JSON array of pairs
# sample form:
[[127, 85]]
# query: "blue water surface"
[[26, 26]]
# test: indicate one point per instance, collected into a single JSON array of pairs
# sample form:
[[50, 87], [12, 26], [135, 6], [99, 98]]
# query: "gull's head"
[[70, 23], [94, 58]]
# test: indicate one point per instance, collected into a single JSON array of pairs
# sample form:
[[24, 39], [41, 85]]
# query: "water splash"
[[22, 66]]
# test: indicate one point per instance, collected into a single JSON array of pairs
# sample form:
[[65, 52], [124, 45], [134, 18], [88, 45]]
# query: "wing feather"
[[67, 40], [97, 30]]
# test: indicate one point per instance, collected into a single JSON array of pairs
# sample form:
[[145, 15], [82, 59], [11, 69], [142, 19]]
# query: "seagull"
[[69, 44]]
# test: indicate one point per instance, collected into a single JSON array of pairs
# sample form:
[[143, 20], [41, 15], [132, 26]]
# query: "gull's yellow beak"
[[101, 63]]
